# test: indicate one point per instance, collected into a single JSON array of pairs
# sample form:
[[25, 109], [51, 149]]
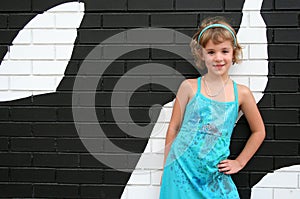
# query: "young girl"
[[203, 118]]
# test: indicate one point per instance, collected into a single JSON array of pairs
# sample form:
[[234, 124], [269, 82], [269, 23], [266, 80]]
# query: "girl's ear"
[[200, 53]]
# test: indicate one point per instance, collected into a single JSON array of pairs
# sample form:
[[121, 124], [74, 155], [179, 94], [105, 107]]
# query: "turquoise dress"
[[191, 170]]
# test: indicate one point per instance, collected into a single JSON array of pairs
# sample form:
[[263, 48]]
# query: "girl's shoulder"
[[244, 93], [189, 87]]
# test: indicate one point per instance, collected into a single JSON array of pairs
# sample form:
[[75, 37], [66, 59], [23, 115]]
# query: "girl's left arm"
[[251, 112]]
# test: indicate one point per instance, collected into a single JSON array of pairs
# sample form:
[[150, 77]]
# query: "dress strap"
[[199, 85], [236, 94]]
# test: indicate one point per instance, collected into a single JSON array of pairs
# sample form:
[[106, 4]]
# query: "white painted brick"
[[165, 115], [261, 193], [245, 48], [63, 52], [279, 180], [49, 67], [148, 147], [244, 80], [53, 36], [28, 52], [8, 95], [258, 51], [245, 21], [256, 20], [150, 161], [253, 67], [24, 37], [32, 83], [258, 83], [158, 145], [145, 192], [159, 130], [252, 5], [286, 193], [4, 83], [139, 177], [45, 20], [15, 67], [294, 168], [68, 20], [252, 35], [257, 96], [156, 177]]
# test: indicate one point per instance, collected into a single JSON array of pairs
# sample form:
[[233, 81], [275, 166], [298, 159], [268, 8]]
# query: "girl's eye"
[[225, 51], [210, 52]]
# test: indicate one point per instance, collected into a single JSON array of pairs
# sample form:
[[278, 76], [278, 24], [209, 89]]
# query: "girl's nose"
[[218, 57]]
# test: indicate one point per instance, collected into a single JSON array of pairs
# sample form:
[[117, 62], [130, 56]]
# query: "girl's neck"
[[216, 78]]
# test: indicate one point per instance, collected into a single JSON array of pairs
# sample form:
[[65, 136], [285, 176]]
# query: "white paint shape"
[[241, 73], [36, 46]]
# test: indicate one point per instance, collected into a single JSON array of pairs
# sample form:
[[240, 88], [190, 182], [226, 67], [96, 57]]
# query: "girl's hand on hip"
[[229, 166]]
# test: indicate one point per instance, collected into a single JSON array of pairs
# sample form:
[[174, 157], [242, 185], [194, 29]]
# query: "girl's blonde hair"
[[217, 35]]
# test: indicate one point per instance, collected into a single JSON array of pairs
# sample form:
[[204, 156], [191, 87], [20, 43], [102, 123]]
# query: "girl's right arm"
[[183, 95]]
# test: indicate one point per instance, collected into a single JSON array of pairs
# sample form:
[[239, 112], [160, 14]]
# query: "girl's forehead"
[[219, 44]]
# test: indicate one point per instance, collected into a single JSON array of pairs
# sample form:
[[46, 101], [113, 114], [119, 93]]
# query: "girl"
[[203, 118]]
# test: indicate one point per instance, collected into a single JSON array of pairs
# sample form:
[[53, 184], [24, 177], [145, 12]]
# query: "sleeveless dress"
[[191, 171]]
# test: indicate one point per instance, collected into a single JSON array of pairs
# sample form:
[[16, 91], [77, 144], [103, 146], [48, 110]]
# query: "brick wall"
[[47, 152]]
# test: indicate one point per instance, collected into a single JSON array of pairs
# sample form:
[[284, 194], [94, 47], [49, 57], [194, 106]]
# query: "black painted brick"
[[110, 82], [255, 177], [287, 132], [266, 101], [7, 36], [141, 99], [82, 51], [109, 130], [130, 145], [92, 68], [112, 52], [4, 144], [101, 191], [241, 178], [150, 5], [79, 176], [276, 148], [125, 20], [72, 68], [41, 6], [280, 116], [105, 5], [16, 5], [53, 99], [33, 114], [54, 129], [66, 115], [197, 5], [16, 190], [234, 5], [174, 20], [116, 177], [32, 144], [3, 21], [76, 145], [55, 160], [260, 163], [56, 191], [171, 84], [287, 68], [105, 99], [280, 51], [233, 18], [96, 36], [280, 19], [244, 193], [186, 68], [15, 159], [287, 5], [32, 175], [4, 177], [98, 161], [91, 20], [286, 35], [287, 100], [4, 114], [282, 84], [19, 20], [285, 161], [15, 129], [3, 50]]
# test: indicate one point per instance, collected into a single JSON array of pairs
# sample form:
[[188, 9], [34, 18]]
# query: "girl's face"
[[218, 57]]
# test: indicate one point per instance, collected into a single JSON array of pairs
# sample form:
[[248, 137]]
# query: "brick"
[[287, 68], [3, 144], [101, 191], [55, 160], [280, 19], [128, 84], [282, 84], [76, 145], [233, 5], [280, 116], [287, 100], [125, 20], [286, 36], [150, 69], [15, 129], [81, 52], [131, 52], [286, 193], [266, 5], [98, 161], [33, 114], [150, 36], [169, 84], [129, 145], [79, 176], [285, 161], [15, 159], [167, 55], [32, 144], [91, 20], [196, 5], [287, 5], [16, 5], [262, 192], [116, 177], [186, 68], [287, 132], [279, 51], [241, 179], [19, 20], [266, 101], [260, 163], [105, 5], [4, 175], [23, 52], [4, 114], [102, 99], [150, 5], [110, 130], [142, 99], [92, 68], [32, 175], [3, 50], [58, 191], [60, 129], [43, 6], [255, 177], [7, 36], [174, 20], [96, 36], [134, 114], [16, 190], [82, 114], [233, 18], [276, 148], [3, 21], [53, 99], [244, 192]]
